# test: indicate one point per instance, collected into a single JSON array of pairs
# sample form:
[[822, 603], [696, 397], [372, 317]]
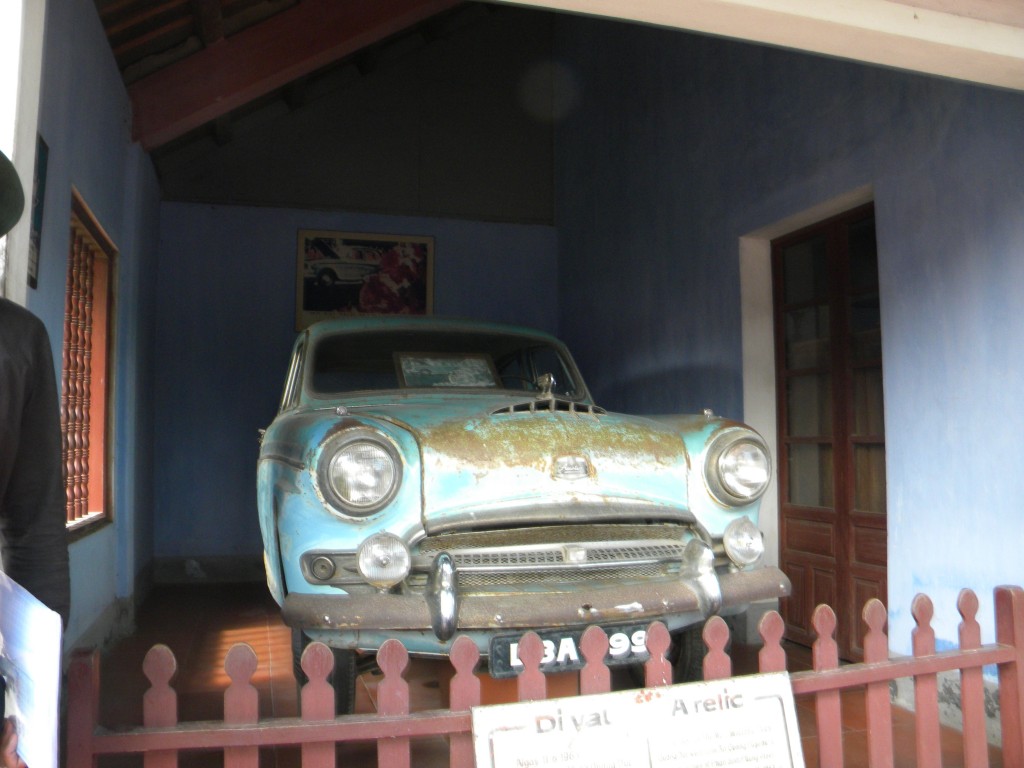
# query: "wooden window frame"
[[86, 375]]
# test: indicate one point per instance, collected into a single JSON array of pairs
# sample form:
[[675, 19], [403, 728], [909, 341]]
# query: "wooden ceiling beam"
[[176, 30], [147, 16], [262, 58], [980, 41]]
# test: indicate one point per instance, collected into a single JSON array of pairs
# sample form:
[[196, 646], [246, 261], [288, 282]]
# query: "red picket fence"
[[242, 732]]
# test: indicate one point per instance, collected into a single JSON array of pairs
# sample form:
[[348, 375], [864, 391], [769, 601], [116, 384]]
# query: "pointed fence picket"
[[242, 732]]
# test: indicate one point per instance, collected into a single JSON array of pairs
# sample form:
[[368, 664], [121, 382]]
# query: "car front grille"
[[552, 405], [485, 581], [606, 554], [540, 535], [552, 555]]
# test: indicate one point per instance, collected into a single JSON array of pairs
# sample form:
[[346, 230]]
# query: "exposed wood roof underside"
[[189, 65]]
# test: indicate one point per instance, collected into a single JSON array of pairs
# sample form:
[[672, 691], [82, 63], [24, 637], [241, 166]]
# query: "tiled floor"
[[201, 623]]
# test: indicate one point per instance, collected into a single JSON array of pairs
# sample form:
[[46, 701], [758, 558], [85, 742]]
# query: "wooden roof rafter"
[[234, 70]]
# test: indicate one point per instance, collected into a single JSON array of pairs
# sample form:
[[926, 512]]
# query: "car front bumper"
[[699, 592]]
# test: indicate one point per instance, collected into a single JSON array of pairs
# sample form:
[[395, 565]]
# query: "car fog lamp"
[[322, 567], [743, 542], [744, 469], [383, 560], [363, 474]]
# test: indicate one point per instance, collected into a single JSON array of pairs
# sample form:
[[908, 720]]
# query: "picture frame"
[[361, 273], [38, 197]]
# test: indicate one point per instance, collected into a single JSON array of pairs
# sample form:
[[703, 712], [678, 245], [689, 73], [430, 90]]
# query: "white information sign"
[[741, 722], [30, 648]]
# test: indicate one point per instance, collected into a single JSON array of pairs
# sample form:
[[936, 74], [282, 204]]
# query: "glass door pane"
[[869, 482], [868, 412], [810, 475], [807, 337], [805, 271], [809, 405]]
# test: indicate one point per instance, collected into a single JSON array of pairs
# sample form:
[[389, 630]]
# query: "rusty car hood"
[[493, 460]]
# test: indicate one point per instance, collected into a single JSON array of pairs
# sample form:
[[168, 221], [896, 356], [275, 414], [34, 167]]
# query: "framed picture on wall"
[[38, 195], [357, 273]]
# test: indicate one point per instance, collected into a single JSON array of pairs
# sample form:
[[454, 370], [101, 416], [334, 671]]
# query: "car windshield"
[[431, 359]]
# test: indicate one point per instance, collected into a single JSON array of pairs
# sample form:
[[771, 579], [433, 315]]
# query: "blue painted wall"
[[225, 328], [713, 139], [84, 119]]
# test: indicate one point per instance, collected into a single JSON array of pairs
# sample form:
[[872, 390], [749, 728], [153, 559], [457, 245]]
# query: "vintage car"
[[427, 478]]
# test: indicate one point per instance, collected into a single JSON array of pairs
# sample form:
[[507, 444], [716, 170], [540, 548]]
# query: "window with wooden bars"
[[85, 379]]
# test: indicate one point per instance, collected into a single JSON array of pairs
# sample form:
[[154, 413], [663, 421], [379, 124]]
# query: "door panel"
[[833, 540], [869, 546], [811, 537]]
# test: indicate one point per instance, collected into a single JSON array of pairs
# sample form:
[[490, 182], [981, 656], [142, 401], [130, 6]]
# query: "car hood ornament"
[[545, 381]]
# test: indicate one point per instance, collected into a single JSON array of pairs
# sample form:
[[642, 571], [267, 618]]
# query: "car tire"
[[688, 652], [342, 677]]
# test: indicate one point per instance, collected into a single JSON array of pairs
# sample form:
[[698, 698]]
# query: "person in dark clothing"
[[32, 497]]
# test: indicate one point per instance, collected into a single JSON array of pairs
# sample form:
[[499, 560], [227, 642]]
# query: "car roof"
[[360, 323]]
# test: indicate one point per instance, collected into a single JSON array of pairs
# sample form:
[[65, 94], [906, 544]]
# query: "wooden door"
[[832, 525]]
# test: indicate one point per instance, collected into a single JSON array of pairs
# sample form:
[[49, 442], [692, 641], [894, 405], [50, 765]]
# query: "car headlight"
[[743, 542], [383, 560], [360, 472], [737, 468]]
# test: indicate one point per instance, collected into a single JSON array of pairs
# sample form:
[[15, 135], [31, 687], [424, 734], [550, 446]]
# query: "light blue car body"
[[487, 463]]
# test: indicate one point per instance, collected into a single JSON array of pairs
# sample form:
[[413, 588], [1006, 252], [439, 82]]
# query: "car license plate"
[[626, 645]]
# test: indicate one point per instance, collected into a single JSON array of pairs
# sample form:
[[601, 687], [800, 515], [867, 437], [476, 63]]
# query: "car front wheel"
[[688, 652]]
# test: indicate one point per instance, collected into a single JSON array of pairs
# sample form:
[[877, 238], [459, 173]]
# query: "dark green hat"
[[12, 196]]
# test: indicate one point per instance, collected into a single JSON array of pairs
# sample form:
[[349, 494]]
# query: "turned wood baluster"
[[393, 699], [876, 696], [827, 707], [86, 388], [926, 691], [76, 392], [464, 694], [241, 702], [595, 677], [658, 669], [972, 686], [317, 702], [717, 664], [530, 684], [65, 378], [771, 657], [1010, 631], [160, 702]]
